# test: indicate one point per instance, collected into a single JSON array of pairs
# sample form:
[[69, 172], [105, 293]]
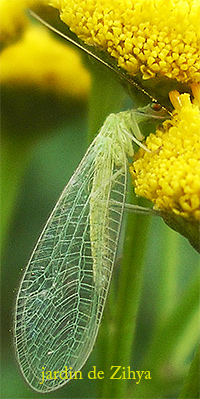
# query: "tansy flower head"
[[151, 37], [169, 175], [41, 72], [13, 20], [37, 60]]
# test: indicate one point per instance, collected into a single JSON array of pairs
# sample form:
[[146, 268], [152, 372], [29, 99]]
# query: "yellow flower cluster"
[[154, 37], [40, 61], [13, 20], [169, 175], [37, 59]]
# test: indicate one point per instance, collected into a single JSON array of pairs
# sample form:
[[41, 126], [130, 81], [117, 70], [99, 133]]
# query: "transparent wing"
[[64, 287]]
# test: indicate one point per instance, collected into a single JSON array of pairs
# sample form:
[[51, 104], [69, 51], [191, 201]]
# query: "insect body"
[[63, 291]]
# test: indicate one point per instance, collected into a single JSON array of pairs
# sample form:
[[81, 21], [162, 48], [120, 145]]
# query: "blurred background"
[[44, 137]]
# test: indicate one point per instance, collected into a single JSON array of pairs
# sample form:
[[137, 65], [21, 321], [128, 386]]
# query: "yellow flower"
[[41, 61], [154, 37], [13, 20], [169, 175], [37, 59]]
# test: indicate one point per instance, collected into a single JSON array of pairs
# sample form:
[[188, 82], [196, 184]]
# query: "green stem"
[[106, 96], [168, 273], [127, 301], [186, 343]]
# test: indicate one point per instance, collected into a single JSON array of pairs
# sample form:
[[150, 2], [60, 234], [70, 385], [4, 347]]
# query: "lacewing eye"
[[156, 106]]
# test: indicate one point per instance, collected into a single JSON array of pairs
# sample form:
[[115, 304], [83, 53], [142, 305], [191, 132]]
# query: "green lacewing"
[[63, 291]]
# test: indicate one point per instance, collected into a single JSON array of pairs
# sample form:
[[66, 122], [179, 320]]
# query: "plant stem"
[[106, 96], [169, 273], [127, 301]]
